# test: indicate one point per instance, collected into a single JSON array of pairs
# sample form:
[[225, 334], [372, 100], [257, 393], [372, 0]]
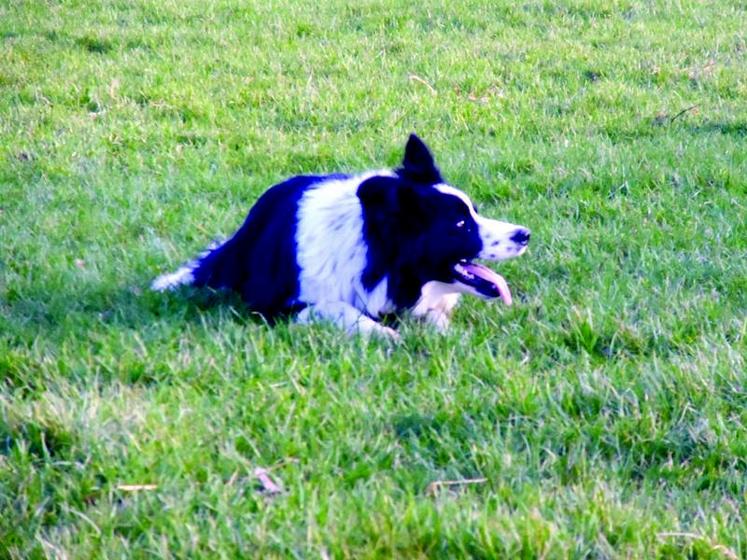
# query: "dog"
[[355, 249]]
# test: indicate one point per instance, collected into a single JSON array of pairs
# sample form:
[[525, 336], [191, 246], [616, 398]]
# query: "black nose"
[[521, 236]]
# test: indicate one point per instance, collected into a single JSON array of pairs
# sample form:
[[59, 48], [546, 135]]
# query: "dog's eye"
[[460, 224]]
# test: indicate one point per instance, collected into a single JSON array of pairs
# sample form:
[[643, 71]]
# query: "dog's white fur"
[[332, 255]]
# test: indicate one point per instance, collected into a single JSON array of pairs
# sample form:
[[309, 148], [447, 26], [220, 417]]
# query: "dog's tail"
[[193, 273]]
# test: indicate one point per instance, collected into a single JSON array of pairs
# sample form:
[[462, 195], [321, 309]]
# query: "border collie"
[[355, 249]]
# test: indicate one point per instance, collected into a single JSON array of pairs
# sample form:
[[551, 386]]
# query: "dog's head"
[[436, 229]]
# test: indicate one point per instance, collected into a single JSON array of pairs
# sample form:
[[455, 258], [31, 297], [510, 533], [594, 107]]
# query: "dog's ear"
[[418, 164]]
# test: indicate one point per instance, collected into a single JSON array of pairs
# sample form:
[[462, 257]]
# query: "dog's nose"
[[521, 236]]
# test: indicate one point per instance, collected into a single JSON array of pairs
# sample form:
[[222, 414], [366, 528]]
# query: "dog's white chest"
[[331, 252]]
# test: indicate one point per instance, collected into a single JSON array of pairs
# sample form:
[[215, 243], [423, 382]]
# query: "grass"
[[606, 410]]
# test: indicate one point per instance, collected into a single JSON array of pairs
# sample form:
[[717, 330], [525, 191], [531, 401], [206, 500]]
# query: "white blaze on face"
[[495, 235]]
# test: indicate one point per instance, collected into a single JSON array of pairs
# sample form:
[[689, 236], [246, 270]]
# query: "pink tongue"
[[487, 274]]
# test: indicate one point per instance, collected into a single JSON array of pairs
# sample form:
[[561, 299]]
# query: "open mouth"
[[483, 280]]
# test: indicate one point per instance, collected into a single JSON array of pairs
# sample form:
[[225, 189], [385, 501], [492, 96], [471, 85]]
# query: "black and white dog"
[[355, 248]]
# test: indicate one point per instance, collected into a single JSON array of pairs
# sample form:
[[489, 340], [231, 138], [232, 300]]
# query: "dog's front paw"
[[388, 333], [374, 329], [439, 320]]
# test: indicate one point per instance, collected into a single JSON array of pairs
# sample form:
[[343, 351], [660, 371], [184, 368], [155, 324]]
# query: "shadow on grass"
[[113, 333], [36, 313], [737, 129]]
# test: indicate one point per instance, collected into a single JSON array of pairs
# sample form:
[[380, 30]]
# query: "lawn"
[[604, 415]]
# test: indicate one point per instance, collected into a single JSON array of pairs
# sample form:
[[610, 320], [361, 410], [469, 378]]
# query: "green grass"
[[605, 410]]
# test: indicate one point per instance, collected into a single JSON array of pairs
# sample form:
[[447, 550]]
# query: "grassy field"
[[603, 415]]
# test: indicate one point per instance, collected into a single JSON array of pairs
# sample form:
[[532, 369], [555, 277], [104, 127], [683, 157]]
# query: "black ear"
[[418, 164], [417, 154]]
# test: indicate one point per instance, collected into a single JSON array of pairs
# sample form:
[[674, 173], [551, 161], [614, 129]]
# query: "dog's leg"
[[437, 304], [439, 312], [346, 316]]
